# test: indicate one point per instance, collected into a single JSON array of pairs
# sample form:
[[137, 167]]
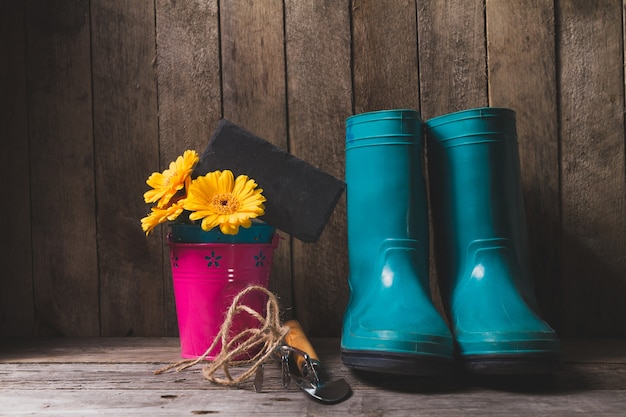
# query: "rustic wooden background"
[[97, 94]]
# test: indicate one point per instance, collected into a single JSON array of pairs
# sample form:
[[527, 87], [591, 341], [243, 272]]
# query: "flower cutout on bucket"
[[216, 199], [174, 260], [260, 258], [213, 260]]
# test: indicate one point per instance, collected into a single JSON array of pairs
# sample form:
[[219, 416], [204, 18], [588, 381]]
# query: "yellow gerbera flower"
[[220, 200], [160, 215], [167, 183]]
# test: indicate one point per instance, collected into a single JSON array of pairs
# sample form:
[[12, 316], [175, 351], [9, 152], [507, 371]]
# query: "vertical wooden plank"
[[16, 274], [452, 56], [522, 76], [592, 167], [253, 74], [384, 55], [452, 70], [189, 94], [319, 101], [62, 169], [126, 150], [385, 65]]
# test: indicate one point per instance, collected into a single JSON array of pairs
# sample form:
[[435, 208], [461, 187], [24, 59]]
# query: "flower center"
[[224, 203], [168, 178]]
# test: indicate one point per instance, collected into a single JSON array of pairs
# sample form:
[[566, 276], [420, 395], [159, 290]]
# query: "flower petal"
[[165, 185], [217, 198]]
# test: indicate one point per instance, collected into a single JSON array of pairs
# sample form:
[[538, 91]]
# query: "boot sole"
[[397, 363], [520, 364]]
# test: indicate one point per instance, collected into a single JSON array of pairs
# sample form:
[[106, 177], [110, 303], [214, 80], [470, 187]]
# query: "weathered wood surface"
[[255, 97], [97, 95], [592, 158], [527, 82], [452, 56], [384, 44], [189, 104], [452, 72], [16, 284], [126, 146], [317, 36], [62, 170], [115, 376]]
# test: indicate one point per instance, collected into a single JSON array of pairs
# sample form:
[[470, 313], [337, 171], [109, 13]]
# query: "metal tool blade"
[[312, 377], [328, 393], [258, 378]]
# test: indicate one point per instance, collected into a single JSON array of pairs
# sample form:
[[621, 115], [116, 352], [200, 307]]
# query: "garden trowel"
[[308, 373]]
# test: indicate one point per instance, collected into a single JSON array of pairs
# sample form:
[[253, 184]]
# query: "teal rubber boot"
[[481, 244], [390, 324]]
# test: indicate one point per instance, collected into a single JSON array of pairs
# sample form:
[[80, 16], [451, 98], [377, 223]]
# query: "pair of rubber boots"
[[391, 324]]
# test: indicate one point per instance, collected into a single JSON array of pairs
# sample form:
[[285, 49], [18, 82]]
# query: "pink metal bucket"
[[207, 277]]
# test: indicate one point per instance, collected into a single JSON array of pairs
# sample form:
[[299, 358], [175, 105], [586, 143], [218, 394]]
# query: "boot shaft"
[[384, 174], [475, 187]]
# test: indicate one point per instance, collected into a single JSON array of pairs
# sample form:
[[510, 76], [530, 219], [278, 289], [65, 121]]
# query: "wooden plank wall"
[[96, 95]]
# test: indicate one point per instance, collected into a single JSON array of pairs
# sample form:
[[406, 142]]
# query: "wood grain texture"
[[254, 85], [385, 67], [384, 44], [16, 276], [452, 74], [452, 56], [369, 402], [592, 165], [319, 100], [116, 350], [97, 95], [112, 376], [126, 152], [63, 201], [526, 82], [189, 97]]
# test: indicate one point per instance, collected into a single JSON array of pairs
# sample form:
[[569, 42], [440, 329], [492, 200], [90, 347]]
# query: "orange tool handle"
[[296, 338]]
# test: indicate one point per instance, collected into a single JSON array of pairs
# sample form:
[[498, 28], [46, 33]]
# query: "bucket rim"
[[273, 243], [204, 245], [258, 232]]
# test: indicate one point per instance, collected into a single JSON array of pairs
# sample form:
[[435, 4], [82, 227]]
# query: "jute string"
[[268, 336]]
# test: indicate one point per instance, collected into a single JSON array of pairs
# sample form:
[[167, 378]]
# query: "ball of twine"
[[263, 340]]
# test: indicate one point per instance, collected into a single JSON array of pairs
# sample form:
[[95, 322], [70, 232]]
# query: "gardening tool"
[[300, 197], [481, 244], [390, 324], [301, 363]]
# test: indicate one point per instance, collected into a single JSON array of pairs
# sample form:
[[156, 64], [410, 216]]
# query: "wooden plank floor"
[[115, 377]]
